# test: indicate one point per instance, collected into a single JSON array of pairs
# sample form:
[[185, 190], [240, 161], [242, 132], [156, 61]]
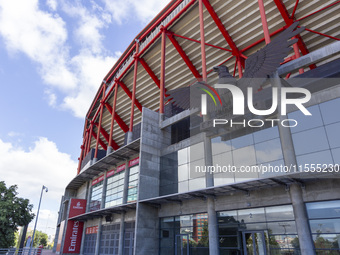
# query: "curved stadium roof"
[[233, 31]]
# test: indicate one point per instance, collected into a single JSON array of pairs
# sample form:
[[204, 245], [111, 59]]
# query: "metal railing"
[[23, 251]]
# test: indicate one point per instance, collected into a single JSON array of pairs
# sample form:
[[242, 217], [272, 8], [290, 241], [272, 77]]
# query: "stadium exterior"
[[135, 191]]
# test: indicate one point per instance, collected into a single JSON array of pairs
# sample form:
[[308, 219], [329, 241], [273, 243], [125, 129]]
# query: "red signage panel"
[[77, 207], [110, 173], [73, 236], [99, 179], [120, 168], [92, 230], [134, 162]]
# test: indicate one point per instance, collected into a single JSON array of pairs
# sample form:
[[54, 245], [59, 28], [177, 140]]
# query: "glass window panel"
[[244, 156], [219, 146], [223, 178], [333, 135], [277, 164], [327, 110], [183, 172], [322, 157], [167, 222], [266, 134], [252, 215], [197, 151], [288, 244], [242, 141], [326, 242], [310, 141], [253, 226], [268, 151], [197, 169], [183, 186], [325, 226], [278, 213], [230, 241], [336, 155], [198, 183], [223, 159], [329, 209], [182, 156], [306, 122], [285, 227]]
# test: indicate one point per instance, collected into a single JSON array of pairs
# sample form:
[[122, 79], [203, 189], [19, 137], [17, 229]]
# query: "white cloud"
[[72, 68], [142, 10], [14, 134], [52, 4], [43, 164]]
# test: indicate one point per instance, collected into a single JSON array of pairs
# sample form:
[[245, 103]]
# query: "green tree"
[[40, 238], [14, 212]]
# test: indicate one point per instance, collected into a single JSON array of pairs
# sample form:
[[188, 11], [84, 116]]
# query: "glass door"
[[182, 245], [254, 243]]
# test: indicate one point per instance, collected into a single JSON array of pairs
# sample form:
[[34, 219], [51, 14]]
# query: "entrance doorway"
[[182, 244], [254, 243]]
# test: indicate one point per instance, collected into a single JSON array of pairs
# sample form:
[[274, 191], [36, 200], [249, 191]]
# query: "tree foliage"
[[40, 238], [14, 212]]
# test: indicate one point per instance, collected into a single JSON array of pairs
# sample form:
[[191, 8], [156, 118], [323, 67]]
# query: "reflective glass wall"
[[316, 138], [324, 221]]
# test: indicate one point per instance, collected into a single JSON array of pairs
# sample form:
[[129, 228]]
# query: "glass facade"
[[133, 184], [187, 234], [96, 194], [271, 229], [114, 189], [316, 138], [324, 221]]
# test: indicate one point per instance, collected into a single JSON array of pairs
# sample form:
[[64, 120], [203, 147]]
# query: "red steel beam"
[[318, 11], [113, 113], [221, 27], [207, 44], [117, 118], [99, 127], [315, 32], [114, 145], [133, 99], [162, 81], [150, 72], [261, 40], [128, 92], [264, 21], [294, 10], [100, 141], [203, 57], [184, 56], [96, 98], [288, 20]]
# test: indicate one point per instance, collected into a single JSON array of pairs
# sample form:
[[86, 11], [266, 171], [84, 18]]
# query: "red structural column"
[[264, 21], [100, 122], [134, 88], [113, 114], [162, 81], [90, 137], [203, 57]]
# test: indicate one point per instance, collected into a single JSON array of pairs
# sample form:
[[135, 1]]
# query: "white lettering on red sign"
[[134, 162], [73, 238]]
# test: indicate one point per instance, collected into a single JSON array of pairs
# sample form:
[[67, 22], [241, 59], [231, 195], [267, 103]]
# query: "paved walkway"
[[47, 252]]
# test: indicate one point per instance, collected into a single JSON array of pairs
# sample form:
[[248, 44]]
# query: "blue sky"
[[53, 57]]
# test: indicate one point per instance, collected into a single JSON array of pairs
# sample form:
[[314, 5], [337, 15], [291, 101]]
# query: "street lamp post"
[[36, 219]]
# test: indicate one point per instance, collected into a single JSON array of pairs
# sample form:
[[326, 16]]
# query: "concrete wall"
[[323, 189], [153, 139]]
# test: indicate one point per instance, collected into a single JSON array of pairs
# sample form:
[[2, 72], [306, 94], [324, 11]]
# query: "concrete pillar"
[[126, 182], [94, 160], [104, 191], [96, 252], [209, 180], [301, 220], [295, 192], [121, 234], [88, 195], [109, 150], [213, 228], [129, 137]]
